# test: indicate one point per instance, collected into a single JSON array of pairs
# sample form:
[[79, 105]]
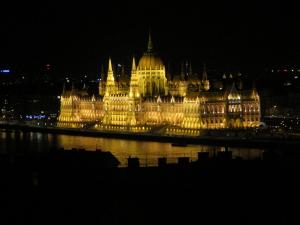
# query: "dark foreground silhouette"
[[76, 187]]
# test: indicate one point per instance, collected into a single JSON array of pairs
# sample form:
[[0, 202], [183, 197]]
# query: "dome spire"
[[133, 64], [109, 65], [150, 45]]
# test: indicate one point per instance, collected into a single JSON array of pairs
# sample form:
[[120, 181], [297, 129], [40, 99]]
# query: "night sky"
[[78, 37]]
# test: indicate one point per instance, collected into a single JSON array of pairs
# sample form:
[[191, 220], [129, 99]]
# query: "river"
[[147, 151]]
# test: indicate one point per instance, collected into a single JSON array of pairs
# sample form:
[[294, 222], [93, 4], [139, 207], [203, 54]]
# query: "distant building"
[[148, 100]]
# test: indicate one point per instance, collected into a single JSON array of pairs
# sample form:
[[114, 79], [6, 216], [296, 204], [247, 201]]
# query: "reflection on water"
[[148, 152]]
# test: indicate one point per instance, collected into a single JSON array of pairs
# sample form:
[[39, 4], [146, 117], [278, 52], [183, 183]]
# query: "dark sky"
[[80, 36]]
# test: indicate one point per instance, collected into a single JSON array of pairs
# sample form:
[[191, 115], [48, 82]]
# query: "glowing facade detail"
[[148, 102]]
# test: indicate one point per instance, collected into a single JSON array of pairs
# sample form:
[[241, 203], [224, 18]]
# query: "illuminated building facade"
[[149, 102]]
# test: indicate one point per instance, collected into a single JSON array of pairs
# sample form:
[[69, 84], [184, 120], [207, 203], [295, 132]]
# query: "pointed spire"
[[233, 89], [110, 73], [204, 75], [134, 85], [205, 81], [110, 80], [133, 64], [159, 99], [233, 94], [150, 45], [254, 91], [109, 65], [172, 99]]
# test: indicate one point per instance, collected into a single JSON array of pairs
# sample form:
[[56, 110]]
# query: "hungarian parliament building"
[[151, 102]]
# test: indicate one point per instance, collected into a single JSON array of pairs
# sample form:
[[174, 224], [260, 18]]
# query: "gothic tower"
[[110, 81], [205, 81], [134, 81]]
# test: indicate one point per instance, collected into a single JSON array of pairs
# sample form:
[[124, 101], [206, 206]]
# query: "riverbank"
[[79, 190], [231, 138]]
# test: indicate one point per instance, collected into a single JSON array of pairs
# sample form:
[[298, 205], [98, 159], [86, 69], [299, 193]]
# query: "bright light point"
[[116, 109], [287, 83], [5, 71]]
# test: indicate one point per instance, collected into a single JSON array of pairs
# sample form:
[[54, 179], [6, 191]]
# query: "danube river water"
[[147, 151]]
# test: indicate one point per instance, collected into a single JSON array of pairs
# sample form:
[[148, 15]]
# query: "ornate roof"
[[150, 59]]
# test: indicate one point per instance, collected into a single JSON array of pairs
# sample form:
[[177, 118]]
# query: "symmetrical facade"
[[149, 102]]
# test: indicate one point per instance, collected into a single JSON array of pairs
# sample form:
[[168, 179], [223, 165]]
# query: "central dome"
[[150, 59]]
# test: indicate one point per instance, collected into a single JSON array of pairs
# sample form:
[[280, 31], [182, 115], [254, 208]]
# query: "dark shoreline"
[[78, 187], [270, 142]]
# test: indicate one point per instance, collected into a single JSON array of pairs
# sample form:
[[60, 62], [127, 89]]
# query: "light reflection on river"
[[147, 151]]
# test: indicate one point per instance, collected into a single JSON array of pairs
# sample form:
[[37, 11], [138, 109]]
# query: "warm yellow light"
[[144, 103]]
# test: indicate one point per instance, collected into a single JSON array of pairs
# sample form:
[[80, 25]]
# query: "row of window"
[[153, 72]]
